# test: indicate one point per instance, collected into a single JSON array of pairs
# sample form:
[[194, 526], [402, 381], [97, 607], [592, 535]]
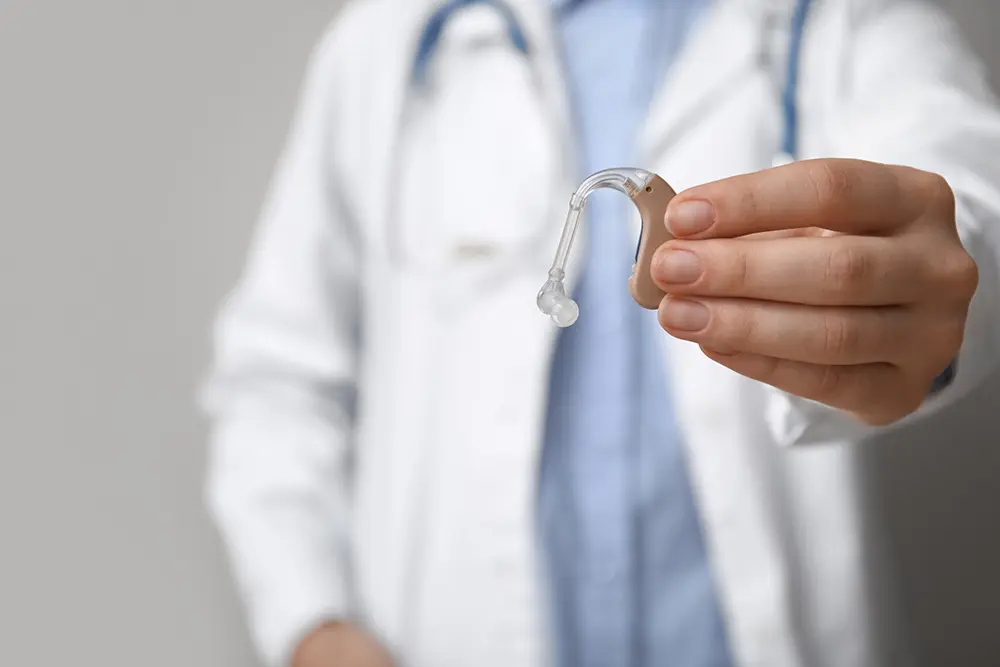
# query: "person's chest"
[[486, 151]]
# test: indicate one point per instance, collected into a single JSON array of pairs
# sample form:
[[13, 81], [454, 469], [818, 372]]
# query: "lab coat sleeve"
[[915, 95], [281, 390]]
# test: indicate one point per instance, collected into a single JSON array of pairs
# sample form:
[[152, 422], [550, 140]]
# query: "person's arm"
[[337, 644], [845, 284], [919, 97], [280, 397]]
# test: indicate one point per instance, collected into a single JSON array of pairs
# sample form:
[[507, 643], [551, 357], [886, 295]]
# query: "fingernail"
[[678, 267], [690, 217], [685, 315]]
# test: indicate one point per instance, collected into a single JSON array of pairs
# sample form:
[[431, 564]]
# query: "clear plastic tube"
[[552, 298]]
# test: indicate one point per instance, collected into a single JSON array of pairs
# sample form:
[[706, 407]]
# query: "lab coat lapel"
[[535, 20], [547, 56], [507, 344], [724, 43], [545, 52], [743, 536]]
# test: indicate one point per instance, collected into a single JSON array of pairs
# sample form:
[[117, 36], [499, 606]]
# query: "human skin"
[[840, 281]]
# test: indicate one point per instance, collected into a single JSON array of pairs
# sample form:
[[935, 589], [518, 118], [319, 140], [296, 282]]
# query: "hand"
[[839, 281], [340, 645]]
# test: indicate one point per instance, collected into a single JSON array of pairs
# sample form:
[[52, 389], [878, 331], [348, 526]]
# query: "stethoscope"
[[431, 35], [788, 149]]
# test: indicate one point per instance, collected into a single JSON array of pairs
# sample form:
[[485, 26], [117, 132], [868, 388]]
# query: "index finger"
[[850, 196]]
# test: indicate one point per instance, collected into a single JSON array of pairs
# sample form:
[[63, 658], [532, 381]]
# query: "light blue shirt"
[[631, 583]]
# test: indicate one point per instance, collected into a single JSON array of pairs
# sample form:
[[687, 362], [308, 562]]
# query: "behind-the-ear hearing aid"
[[650, 194]]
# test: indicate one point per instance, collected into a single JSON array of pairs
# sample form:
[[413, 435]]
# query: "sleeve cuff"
[[796, 421]]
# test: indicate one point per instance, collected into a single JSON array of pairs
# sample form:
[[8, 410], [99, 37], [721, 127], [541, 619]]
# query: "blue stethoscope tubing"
[[789, 107], [435, 25]]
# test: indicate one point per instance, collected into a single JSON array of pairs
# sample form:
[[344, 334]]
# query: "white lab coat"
[[381, 375]]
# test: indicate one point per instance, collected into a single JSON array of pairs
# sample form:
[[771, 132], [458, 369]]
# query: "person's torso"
[[627, 571], [457, 189]]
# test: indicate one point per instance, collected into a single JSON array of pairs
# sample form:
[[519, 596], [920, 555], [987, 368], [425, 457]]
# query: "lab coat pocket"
[[477, 160]]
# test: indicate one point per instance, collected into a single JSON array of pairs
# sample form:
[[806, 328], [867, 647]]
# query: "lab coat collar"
[[700, 71], [536, 20]]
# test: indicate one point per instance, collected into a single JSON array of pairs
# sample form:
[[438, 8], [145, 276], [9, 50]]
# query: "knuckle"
[[847, 269], [930, 199], [769, 368], [828, 384], [963, 273], [832, 182], [955, 275], [939, 193], [840, 338], [735, 272]]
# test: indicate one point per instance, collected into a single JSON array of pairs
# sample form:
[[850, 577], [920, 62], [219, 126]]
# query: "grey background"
[[136, 141]]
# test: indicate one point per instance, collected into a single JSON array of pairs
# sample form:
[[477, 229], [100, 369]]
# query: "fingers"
[[788, 233], [834, 271], [817, 335], [850, 196], [875, 393], [839, 281]]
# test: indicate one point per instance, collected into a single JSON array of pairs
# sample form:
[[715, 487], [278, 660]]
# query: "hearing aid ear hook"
[[650, 194]]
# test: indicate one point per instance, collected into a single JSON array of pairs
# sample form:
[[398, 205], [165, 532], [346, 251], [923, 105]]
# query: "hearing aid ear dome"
[[564, 312], [552, 301]]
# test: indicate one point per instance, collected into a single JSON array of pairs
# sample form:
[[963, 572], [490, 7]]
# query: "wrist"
[[340, 644]]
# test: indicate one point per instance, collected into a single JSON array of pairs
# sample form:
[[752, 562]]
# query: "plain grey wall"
[[136, 141]]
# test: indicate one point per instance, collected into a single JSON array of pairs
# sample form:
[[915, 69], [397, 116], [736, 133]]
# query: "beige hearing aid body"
[[651, 195], [651, 200]]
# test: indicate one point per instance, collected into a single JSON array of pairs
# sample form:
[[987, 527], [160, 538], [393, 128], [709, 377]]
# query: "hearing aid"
[[650, 194]]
